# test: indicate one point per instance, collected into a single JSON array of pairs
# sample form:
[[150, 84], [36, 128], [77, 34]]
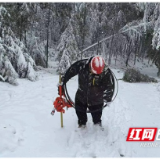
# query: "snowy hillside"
[[28, 130]]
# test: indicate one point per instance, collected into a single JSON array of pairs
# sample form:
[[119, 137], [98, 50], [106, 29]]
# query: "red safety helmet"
[[97, 65]]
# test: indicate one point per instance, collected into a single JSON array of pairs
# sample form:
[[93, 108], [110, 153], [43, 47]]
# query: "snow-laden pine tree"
[[14, 60], [65, 62], [36, 48], [152, 17], [67, 49]]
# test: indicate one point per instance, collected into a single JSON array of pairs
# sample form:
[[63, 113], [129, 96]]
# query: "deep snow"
[[27, 128]]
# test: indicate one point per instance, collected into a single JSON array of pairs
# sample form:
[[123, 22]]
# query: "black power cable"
[[69, 100], [114, 86]]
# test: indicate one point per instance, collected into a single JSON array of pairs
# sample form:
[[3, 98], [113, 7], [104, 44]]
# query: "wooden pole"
[[60, 81]]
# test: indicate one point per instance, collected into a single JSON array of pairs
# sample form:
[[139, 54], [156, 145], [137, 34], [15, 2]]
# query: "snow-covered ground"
[[27, 128]]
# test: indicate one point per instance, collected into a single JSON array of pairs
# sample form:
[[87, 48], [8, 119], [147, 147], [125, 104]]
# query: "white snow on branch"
[[120, 31], [2, 78]]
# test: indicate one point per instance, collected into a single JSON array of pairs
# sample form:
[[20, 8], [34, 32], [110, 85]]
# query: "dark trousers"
[[96, 112]]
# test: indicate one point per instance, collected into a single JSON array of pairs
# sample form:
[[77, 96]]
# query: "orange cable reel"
[[60, 102]]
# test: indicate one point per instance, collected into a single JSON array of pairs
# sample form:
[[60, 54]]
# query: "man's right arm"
[[73, 70]]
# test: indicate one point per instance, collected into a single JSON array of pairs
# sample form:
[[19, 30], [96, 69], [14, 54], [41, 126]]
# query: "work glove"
[[108, 104], [107, 101], [60, 86]]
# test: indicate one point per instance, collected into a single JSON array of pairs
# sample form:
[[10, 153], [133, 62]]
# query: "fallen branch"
[[2, 78], [119, 32]]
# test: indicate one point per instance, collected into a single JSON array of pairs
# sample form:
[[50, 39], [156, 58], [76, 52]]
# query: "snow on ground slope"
[[28, 130]]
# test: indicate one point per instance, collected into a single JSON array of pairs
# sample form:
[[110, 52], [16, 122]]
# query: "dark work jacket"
[[93, 89]]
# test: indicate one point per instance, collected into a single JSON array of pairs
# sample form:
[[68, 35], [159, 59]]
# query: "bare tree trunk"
[[116, 59], [98, 29], [129, 53], [47, 54], [155, 56], [25, 40], [136, 51], [135, 58], [110, 51], [158, 73], [20, 30], [83, 33], [136, 55], [103, 49], [149, 59]]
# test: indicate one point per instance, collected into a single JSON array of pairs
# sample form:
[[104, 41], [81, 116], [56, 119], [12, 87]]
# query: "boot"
[[98, 124], [82, 126]]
